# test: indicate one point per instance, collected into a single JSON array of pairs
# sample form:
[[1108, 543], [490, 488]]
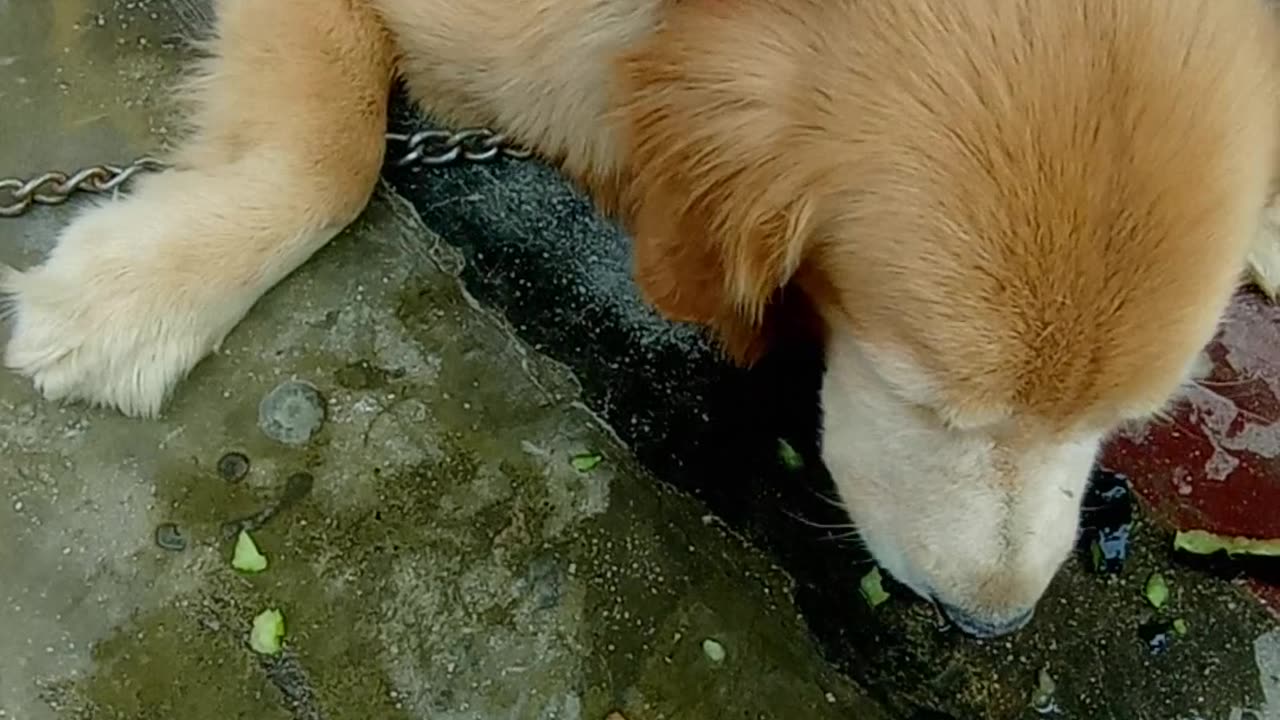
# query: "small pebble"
[[233, 467], [714, 650], [292, 413], [169, 537]]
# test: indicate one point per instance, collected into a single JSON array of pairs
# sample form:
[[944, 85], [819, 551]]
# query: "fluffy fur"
[[1016, 221]]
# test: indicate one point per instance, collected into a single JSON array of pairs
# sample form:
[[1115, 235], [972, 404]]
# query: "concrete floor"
[[472, 333]]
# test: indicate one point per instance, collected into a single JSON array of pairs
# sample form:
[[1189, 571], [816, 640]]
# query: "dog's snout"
[[985, 625]]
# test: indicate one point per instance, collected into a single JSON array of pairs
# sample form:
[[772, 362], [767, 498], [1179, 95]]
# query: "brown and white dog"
[[1018, 220]]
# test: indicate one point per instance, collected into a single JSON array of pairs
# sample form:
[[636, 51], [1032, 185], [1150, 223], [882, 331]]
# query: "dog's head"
[[1018, 222]]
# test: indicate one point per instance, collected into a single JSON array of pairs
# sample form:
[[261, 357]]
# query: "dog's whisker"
[[818, 525]]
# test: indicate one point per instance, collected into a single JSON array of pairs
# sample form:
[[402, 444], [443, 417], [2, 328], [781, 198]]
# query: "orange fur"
[[721, 199], [1076, 224]]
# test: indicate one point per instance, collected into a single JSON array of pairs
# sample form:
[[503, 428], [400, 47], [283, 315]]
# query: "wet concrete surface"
[[445, 559], [446, 513]]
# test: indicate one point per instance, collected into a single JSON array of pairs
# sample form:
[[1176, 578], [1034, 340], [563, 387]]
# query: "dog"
[[1016, 222]]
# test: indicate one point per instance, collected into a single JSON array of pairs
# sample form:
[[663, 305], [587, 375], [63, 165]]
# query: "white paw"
[[121, 310]]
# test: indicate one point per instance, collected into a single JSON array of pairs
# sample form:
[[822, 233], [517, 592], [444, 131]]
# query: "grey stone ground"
[[449, 562]]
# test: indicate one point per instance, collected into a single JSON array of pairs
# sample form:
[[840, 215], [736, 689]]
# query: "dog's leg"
[[289, 118], [1264, 256]]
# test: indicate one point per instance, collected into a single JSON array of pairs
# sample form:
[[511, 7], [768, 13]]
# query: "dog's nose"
[[987, 626]]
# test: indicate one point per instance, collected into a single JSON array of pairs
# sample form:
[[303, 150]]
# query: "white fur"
[[1264, 257], [1000, 514], [138, 291]]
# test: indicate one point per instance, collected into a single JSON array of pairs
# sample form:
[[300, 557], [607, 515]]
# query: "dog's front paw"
[[118, 314], [80, 338]]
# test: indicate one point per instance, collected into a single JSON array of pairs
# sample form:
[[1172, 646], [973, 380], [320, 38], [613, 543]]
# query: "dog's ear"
[[718, 204]]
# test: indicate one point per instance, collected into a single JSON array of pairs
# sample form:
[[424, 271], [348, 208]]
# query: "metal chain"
[[17, 196], [425, 147], [445, 147]]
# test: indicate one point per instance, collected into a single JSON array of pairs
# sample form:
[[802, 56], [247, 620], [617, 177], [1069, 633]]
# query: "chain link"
[[445, 147], [17, 196], [425, 147]]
